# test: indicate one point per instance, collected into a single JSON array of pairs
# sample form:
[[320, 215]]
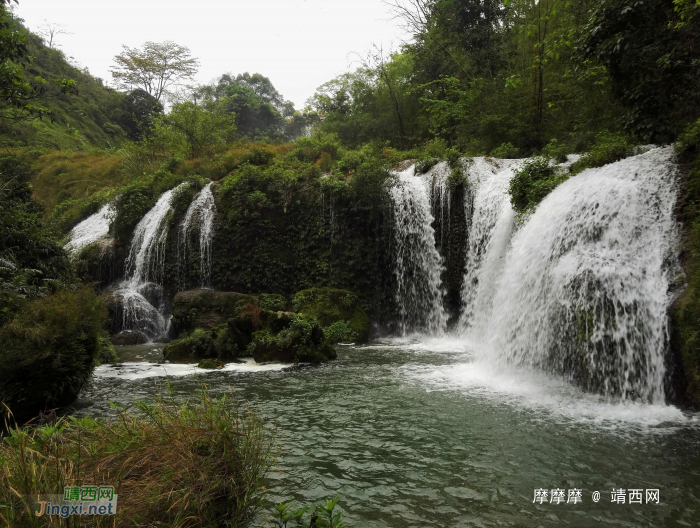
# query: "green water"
[[419, 435]]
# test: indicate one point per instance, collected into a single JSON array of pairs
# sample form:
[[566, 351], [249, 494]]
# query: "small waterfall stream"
[[418, 264], [141, 291], [200, 217], [90, 230], [582, 287]]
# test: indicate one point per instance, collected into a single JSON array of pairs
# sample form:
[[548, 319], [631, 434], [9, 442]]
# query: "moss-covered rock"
[[200, 344], [211, 363], [206, 309], [106, 353], [49, 350], [339, 312], [129, 338], [302, 340]]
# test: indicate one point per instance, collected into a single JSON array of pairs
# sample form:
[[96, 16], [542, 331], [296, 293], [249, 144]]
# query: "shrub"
[[533, 182], [260, 156], [329, 306], [131, 206], [608, 148], [425, 164], [200, 463], [339, 332], [506, 151], [49, 349]]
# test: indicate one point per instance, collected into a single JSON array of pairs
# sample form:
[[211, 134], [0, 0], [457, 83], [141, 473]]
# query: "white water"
[[90, 230], [200, 216], [141, 290], [490, 228], [419, 294], [582, 287]]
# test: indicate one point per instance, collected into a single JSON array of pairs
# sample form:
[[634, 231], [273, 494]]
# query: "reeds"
[[197, 463]]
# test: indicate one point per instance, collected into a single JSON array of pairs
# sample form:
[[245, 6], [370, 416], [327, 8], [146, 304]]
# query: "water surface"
[[417, 434]]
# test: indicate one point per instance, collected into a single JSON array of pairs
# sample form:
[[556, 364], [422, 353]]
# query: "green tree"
[[156, 67], [194, 130]]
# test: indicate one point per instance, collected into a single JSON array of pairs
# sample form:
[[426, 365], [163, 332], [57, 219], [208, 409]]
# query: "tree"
[[49, 31], [140, 109], [194, 130], [155, 68]]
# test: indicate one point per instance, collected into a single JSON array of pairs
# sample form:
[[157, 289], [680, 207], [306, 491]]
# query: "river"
[[417, 432]]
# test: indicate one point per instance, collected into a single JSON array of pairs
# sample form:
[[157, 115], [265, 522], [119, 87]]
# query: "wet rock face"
[[129, 338]]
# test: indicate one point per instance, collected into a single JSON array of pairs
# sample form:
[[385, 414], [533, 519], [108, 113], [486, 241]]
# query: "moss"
[[211, 364], [685, 312], [273, 302], [329, 306], [533, 183], [608, 148], [106, 352], [302, 340], [49, 349], [201, 343], [206, 309]]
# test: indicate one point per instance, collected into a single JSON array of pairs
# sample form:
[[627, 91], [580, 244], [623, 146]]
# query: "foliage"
[[260, 110], [505, 151], [300, 340], [193, 131], [19, 93], [608, 148], [139, 112], [337, 307], [132, 204], [317, 516], [533, 182], [649, 53], [49, 349], [201, 462], [156, 67]]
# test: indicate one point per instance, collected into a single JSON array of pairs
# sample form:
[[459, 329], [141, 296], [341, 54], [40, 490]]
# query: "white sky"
[[298, 44]]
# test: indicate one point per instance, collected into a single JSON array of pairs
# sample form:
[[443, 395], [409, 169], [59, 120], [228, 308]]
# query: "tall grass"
[[198, 463]]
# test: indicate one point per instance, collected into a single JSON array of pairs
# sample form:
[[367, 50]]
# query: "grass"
[[197, 463]]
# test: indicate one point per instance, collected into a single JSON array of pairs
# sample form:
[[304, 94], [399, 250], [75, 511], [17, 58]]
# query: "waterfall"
[[200, 215], [418, 264], [490, 229], [90, 230], [141, 291], [581, 288]]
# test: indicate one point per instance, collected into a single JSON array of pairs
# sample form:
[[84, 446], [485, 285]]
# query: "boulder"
[[206, 309], [128, 338], [302, 340]]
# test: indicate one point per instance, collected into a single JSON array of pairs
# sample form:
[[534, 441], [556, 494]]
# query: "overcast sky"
[[298, 44]]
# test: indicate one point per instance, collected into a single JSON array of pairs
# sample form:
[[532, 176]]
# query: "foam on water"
[[91, 229], [141, 370]]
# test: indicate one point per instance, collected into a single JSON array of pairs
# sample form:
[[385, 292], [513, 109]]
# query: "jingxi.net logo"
[[79, 500]]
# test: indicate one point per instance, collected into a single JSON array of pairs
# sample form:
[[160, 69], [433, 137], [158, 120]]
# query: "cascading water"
[[200, 216], [491, 224], [582, 288], [418, 264], [141, 290], [90, 230]]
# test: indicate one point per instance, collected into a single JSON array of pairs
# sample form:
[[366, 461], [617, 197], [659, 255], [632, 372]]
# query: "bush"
[[131, 206], [608, 148], [506, 151], [533, 182], [201, 463], [329, 306], [49, 349], [339, 332], [302, 340], [425, 164]]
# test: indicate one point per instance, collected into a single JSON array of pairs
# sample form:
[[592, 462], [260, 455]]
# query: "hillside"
[[88, 117]]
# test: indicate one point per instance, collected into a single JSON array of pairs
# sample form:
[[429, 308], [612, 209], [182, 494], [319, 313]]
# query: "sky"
[[298, 44]]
